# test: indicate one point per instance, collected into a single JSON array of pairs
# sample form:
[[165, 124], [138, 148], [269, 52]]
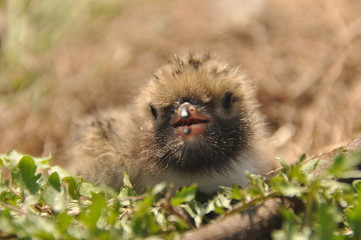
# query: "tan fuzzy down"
[[130, 139]]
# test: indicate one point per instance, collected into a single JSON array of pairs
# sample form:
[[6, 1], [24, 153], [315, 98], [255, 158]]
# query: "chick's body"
[[196, 121]]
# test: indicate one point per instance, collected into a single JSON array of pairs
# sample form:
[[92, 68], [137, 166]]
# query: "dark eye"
[[227, 100], [154, 111]]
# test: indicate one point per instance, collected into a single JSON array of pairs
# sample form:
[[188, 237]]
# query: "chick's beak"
[[186, 110], [188, 121]]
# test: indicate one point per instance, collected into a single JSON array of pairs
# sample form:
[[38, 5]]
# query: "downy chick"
[[195, 121]]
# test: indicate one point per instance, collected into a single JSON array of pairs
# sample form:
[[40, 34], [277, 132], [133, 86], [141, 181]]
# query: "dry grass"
[[304, 56]]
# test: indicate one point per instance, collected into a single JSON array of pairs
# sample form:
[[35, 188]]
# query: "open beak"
[[188, 121]]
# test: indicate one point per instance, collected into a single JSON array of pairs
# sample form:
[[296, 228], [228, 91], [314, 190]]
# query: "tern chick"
[[195, 121]]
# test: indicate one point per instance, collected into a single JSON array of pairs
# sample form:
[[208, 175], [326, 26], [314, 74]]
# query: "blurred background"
[[62, 59]]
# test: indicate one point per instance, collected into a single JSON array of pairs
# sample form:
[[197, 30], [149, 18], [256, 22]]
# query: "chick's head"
[[196, 115]]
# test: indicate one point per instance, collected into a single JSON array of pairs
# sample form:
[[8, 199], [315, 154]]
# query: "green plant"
[[39, 201]]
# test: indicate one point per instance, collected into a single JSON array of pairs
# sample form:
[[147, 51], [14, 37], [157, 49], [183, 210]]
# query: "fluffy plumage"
[[196, 120]]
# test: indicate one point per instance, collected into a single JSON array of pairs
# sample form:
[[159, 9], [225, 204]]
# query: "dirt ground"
[[304, 57]]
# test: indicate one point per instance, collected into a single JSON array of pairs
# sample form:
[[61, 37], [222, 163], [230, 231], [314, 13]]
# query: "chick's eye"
[[227, 100], [154, 111]]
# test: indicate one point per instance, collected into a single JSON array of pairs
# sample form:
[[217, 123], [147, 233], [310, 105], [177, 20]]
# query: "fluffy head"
[[217, 91]]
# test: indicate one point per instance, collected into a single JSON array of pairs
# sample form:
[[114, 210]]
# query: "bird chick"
[[195, 121]]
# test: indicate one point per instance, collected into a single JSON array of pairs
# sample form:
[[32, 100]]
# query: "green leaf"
[[354, 217], [53, 194], [186, 194], [62, 173], [63, 222], [72, 186], [344, 165], [54, 181], [222, 202], [91, 217], [354, 158], [27, 170], [144, 222], [126, 181], [291, 227], [357, 186], [127, 189], [327, 219], [237, 193], [311, 165], [303, 157], [158, 188], [11, 159], [291, 190], [86, 189]]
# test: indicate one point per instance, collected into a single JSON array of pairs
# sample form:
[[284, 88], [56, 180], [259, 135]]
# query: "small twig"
[[15, 192], [169, 208], [13, 208], [126, 211], [177, 212], [85, 202], [247, 204], [134, 198]]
